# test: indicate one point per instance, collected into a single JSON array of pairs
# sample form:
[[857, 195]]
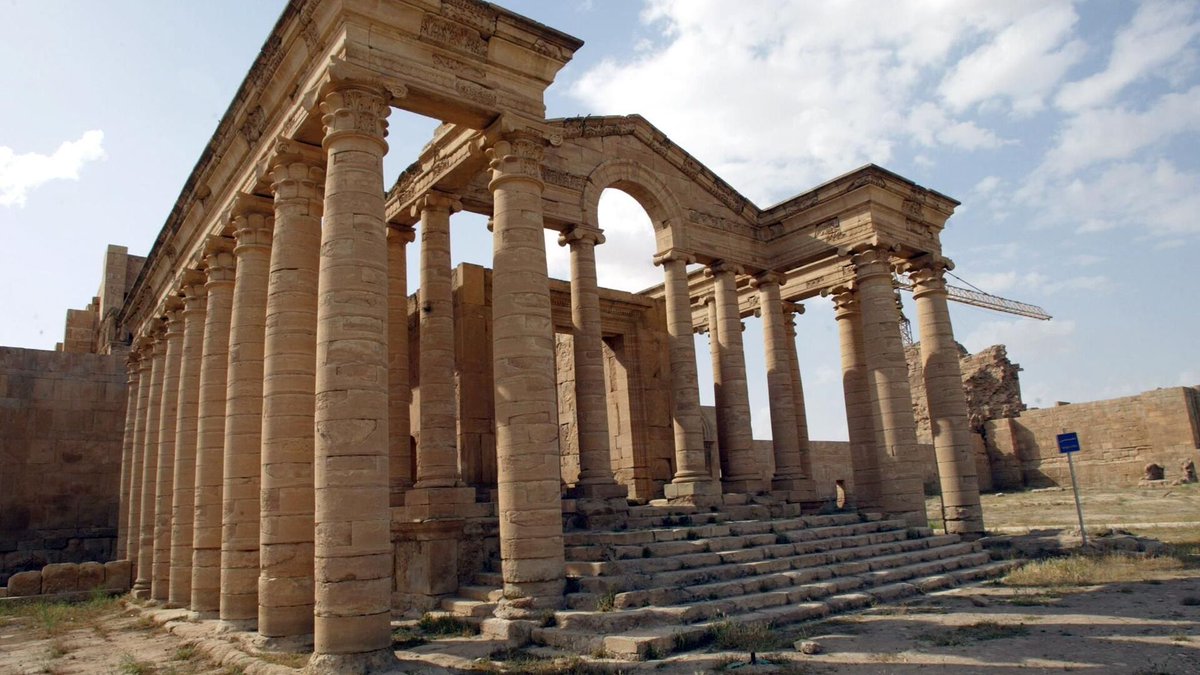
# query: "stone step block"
[[481, 593], [462, 607], [493, 579]]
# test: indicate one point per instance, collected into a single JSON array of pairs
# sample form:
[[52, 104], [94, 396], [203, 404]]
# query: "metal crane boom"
[[969, 296]]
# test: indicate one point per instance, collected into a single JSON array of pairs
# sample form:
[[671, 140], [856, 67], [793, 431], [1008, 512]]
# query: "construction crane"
[[969, 296]]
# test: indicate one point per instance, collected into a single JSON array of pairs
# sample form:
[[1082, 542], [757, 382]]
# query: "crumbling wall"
[[62, 421], [1118, 437]]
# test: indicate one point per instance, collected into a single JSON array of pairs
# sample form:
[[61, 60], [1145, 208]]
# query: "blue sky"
[[1070, 132]]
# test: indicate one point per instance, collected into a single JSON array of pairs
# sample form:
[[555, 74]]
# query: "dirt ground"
[[1144, 619]]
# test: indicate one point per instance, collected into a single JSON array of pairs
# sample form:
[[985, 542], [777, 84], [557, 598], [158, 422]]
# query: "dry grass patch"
[[1091, 570], [976, 632], [56, 618]]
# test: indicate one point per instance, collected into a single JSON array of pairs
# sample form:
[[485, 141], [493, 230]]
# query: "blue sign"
[[1068, 443]]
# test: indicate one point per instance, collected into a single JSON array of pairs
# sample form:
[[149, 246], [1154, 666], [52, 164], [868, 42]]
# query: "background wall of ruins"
[[62, 418], [1118, 438]]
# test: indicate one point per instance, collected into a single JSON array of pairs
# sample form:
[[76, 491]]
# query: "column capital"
[[435, 200], [927, 274], [517, 155], [674, 255], [297, 172], [845, 300], [723, 267], [219, 261], [172, 309], [871, 262], [405, 234], [291, 151], [191, 287], [253, 220], [354, 108], [133, 365], [795, 308], [766, 277], [582, 235]]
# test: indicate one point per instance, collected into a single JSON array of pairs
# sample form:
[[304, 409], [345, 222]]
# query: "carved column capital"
[[436, 201], [766, 278], [927, 274], [845, 301], [581, 235], [723, 267], [172, 309], [404, 234], [220, 264], [191, 287], [871, 262], [517, 155], [352, 108], [297, 172], [253, 219], [672, 256], [133, 366]]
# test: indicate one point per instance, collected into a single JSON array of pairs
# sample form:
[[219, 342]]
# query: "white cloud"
[[1155, 37], [21, 173], [1086, 259], [1025, 338], [1119, 133], [791, 93], [626, 260], [1022, 63]]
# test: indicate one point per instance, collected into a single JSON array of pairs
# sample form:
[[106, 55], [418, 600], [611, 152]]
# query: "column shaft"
[[145, 572], [253, 221], [437, 444], [285, 584], [353, 553], [779, 384], [801, 415], [133, 541], [691, 478], [719, 409], [165, 481], [131, 413], [210, 428], [591, 399], [887, 383], [183, 507], [864, 461], [400, 451], [947, 404], [737, 438], [529, 504]]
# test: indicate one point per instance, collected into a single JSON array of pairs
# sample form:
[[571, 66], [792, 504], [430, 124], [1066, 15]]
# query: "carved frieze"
[[868, 179], [256, 122], [563, 179], [472, 13], [583, 127], [460, 68], [475, 92], [454, 35], [830, 230]]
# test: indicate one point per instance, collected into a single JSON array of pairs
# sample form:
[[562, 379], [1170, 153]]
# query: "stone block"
[[91, 575], [117, 575], [60, 578], [24, 584]]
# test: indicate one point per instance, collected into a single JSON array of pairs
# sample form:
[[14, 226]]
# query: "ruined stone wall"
[[94, 330], [62, 418], [1118, 438]]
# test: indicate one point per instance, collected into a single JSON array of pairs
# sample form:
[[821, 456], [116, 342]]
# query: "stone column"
[[736, 438], [253, 222], [219, 268], [353, 553], [131, 413], [145, 573], [691, 480], [591, 400], [285, 583], [860, 424], [789, 474], [133, 542], [400, 450], [721, 463], [792, 310], [947, 402], [887, 385], [165, 481], [195, 298], [438, 481], [529, 503]]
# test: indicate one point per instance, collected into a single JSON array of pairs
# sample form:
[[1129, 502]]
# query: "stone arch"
[[648, 190]]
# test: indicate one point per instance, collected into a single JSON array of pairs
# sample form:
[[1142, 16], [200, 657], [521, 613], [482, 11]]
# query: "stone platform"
[[658, 583]]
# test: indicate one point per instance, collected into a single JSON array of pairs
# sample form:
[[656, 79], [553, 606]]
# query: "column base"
[[437, 502], [140, 592], [610, 490], [794, 490], [378, 661], [745, 486], [699, 493], [296, 644]]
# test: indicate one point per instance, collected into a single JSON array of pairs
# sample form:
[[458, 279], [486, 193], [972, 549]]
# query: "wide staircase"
[[662, 580]]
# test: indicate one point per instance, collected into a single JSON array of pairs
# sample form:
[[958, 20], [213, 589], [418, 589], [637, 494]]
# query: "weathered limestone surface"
[[400, 450], [61, 417], [210, 428], [157, 346], [253, 222], [165, 481], [183, 508]]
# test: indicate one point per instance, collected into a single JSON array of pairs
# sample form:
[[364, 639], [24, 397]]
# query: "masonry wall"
[[62, 418], [1118, 438]]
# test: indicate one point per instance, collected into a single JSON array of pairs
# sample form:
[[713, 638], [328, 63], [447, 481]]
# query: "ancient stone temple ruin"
[[310, 447]]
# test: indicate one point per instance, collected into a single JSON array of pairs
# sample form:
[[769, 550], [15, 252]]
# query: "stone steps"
[[656, 640]]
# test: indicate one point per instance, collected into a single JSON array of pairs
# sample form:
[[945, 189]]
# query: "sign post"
[[1068, 444]]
